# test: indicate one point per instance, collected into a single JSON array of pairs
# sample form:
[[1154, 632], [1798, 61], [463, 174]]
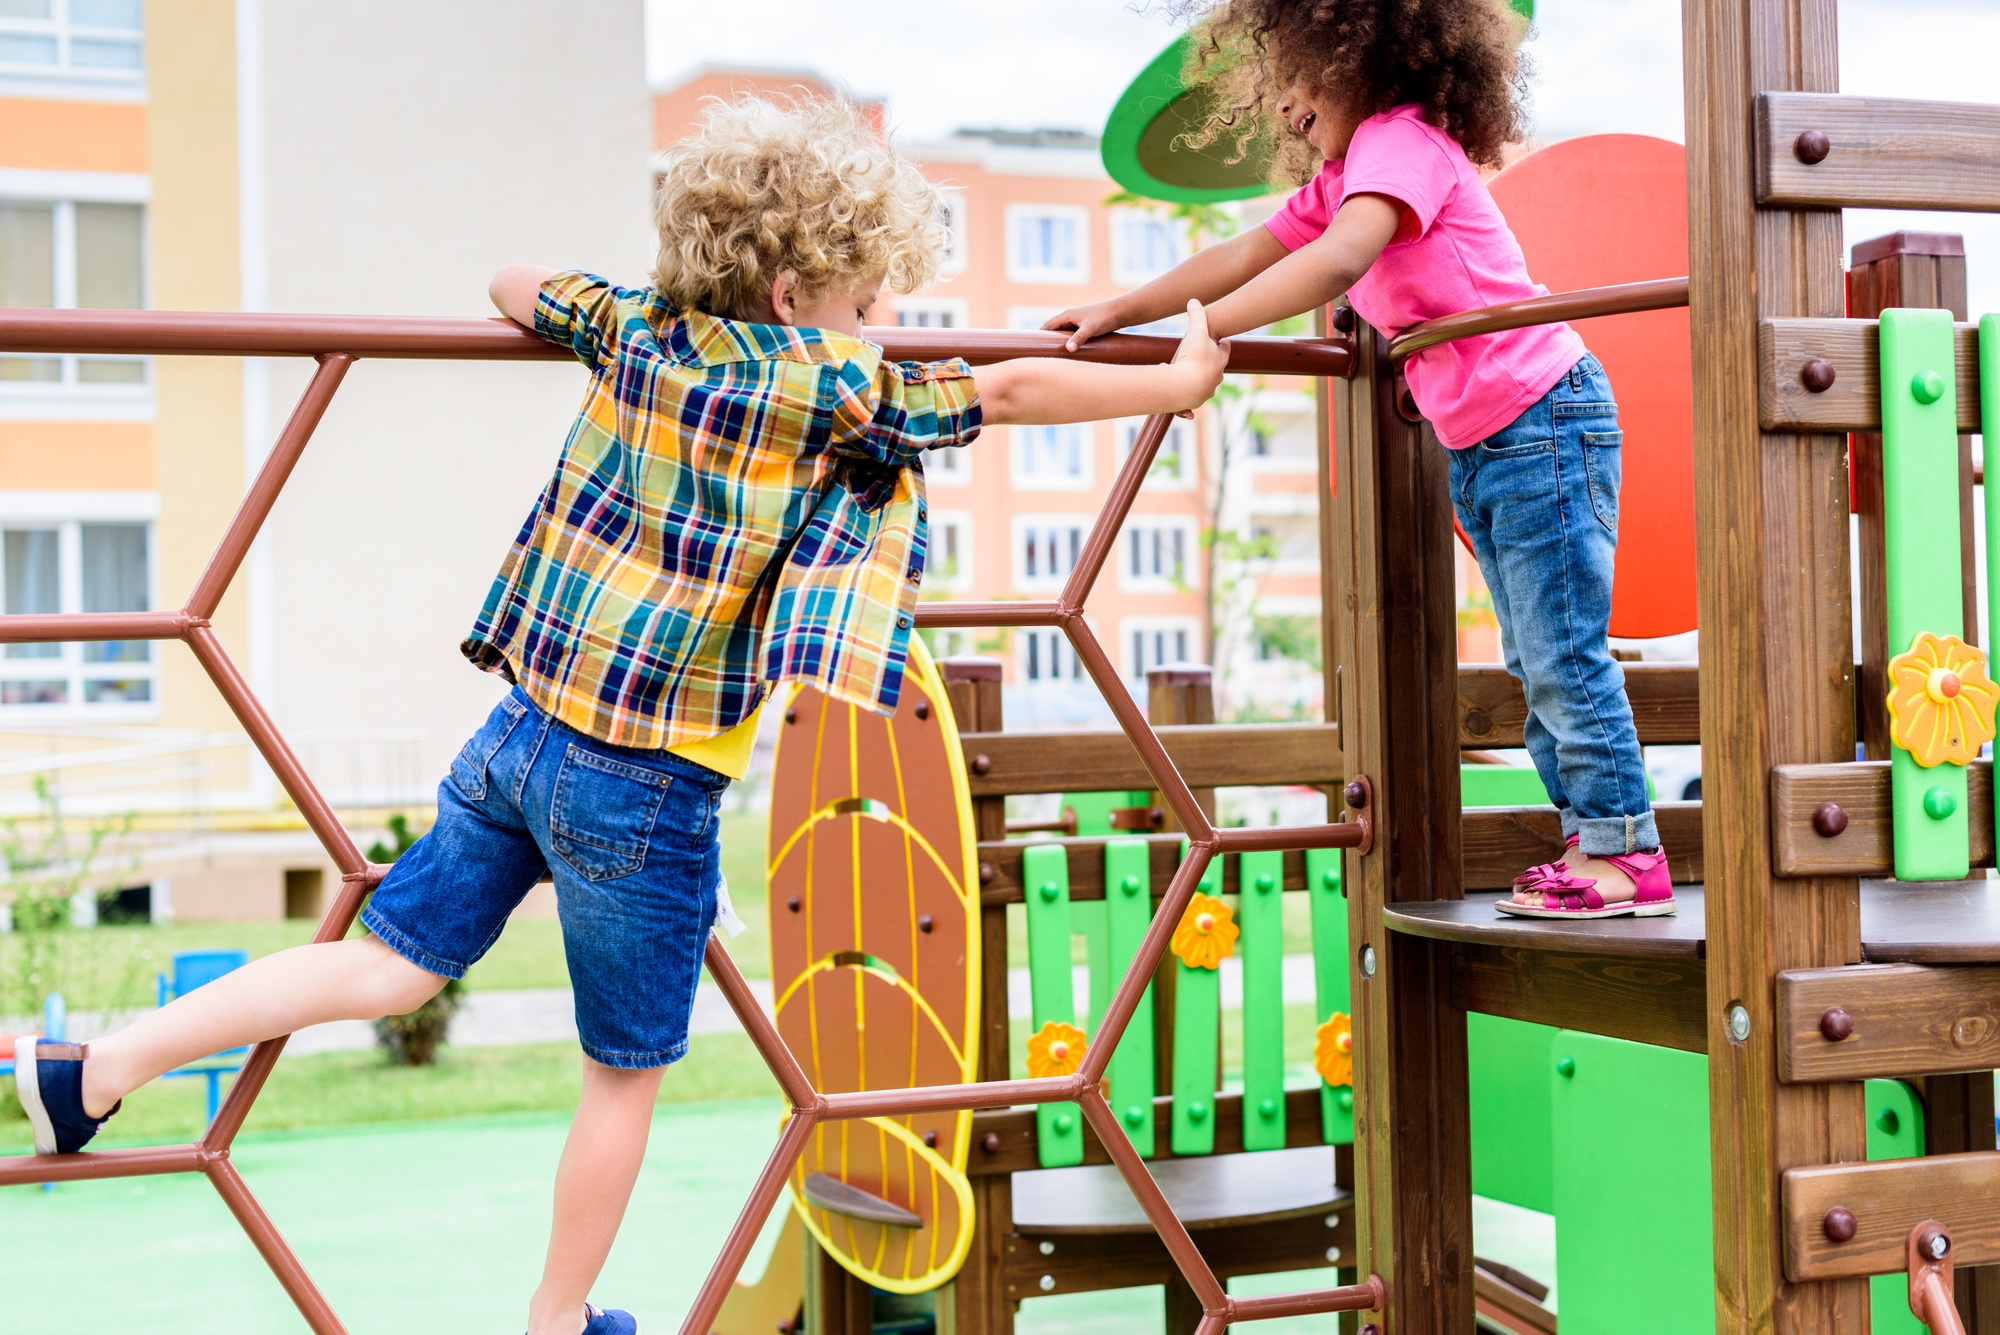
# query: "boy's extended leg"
[[278, 994], [600, 1162]]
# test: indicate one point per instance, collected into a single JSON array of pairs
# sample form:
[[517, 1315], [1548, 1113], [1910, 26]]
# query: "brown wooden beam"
[[1208, 756], [1859, 841], [1666, 705], [1887, 1020], [1887, 1200], [1854, 401], [1878, 153], [1659, 1001], [1089, 1264], [1502, 842], [1000, 866]]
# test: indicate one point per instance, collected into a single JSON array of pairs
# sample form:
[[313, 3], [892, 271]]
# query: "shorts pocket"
[[468, 772], [1603, 463], [602, 815]]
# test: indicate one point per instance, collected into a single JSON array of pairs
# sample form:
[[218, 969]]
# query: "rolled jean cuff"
[[1572, 823], [1618, 834]]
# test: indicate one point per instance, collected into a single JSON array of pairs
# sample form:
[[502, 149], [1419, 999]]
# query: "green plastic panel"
[[1513, 1152], [1260, 915], [1330, 964], [1128, 912], [1197, 1031], [1501, 786], [1989, 418], [1088, 920], [1920, 511], [1051, 988], [1630, 1127]]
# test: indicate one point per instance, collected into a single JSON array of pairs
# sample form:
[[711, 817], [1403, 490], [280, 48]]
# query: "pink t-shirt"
[[1453, 253]]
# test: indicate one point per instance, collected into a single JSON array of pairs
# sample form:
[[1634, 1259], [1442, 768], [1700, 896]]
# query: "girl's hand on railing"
[[1200, 359], [1100, 317]]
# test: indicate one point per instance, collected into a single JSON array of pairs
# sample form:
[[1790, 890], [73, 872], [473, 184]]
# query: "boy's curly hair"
[[1457, 59], [761, 187]]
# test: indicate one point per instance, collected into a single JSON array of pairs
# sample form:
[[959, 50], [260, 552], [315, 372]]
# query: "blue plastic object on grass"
[[192, 969]]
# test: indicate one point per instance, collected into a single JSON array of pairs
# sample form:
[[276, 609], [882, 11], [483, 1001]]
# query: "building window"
[[1173, 464], [72, 255], [1289, 542], [1047, 656], [1156, 554], [1155, 642], [951, 213], [931, 313], [76, 566], [91, 38], [1031, 317], [949, 467], [1144, 245], [948, 556], [1048, 243], [1052, 458], [1047, 551]]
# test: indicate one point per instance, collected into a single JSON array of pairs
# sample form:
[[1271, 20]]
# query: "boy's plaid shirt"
[[737, 505]]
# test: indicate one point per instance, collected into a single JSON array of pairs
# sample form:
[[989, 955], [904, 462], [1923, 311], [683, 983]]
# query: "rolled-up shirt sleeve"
[[917, 406], [581, 310]]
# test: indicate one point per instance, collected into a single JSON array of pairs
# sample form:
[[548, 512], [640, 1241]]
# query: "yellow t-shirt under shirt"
[[726, 752]]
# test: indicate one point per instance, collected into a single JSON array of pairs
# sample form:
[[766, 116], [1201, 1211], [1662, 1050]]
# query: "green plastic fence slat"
[[1052, 988], [1128, 912], [1197, 1029], [1260, 915], [1989, 418], [1087, 921], [1925, 592], [1329, 933]]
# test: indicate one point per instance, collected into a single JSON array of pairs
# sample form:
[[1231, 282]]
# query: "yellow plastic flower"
[[1941, 700], [1333, 1049], [1207, 934], [1056, 1049]]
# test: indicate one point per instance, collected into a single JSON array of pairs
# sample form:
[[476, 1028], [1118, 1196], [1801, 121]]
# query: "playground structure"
[[1797, 982]]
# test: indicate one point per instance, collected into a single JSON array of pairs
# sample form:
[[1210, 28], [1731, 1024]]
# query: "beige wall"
[[413, 150]]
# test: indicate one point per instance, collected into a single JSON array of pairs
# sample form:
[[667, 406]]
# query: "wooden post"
[[1776, 660], [977, 1302], [1396, 644], [1184, 693], [836, 1303]]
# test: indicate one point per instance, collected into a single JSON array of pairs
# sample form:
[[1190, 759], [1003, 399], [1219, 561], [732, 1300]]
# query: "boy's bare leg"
[[600, 1162], [360, 979]]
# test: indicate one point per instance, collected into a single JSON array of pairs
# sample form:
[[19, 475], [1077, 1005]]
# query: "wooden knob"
[[923, 709], [924, 923], [1812, 147], [1356, 793], [990, 1142], [982, 763], [1829, 819], [1839, 1224], [1817, 375], [1343, 319], [1835, 1024], [793, 903]]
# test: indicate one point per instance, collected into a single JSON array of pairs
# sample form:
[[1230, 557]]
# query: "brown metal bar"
[[229, 334], [1174, 790], [1139, 973], [1584, 304], [1349, 1298], [982, 615], [45, 628], [264, 1235], [708, 1302], [1173, 1233], [243, 1092], [948, 1098], [148, 1161], [791, 1077], [1111, 515], [263, 493], [1347, 834]]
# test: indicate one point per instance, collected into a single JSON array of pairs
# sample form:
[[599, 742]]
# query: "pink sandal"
[[1567, 895], [1547, 871]]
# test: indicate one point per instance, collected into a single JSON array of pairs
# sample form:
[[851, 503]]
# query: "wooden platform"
[[1205, 1192]]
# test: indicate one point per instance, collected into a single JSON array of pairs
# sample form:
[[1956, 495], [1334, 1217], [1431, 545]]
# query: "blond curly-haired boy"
[[739, 503]]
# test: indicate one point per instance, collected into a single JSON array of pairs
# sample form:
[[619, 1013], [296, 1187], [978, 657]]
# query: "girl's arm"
[[514, 290], [1315, 273], [1035, 390], [1205, 276]]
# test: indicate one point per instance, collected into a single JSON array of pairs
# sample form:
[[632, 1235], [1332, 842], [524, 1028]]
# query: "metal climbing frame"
[[336, 343]]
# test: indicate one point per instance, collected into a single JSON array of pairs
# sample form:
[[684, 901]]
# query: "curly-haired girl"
[[1399, 99]]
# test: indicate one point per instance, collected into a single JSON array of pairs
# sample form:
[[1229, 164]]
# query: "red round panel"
[[1612, 208]]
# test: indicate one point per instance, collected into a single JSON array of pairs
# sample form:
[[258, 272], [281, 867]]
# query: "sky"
[[1602, 66]]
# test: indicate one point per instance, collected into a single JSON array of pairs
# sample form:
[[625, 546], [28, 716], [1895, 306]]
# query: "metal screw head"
[[1838, 1224], [1812, 147], [1333, 1221], [1356, 794], [1835, 1024], [990, 1142], [1048, 1248], [1739, 1023], [1817, 375], [1048, 1284], [1934, 1244], [1332, 1255], [1830, 819], [1367, 961]]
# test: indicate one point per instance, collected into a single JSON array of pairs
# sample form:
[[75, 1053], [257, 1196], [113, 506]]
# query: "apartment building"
[[243, 155]]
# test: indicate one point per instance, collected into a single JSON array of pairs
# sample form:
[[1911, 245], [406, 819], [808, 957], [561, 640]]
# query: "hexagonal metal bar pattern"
[[335, 342]]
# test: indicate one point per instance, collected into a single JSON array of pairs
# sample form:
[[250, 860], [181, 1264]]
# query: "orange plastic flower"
[[1056, 1049], [1941, 700], [1207, 934], [1333, 1049]]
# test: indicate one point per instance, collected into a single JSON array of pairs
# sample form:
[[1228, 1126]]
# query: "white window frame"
[[1039, 645], [1167, 473], [1067, 551], [1301, 511], [1290, 412], [957, 314], [1125, 268], [950, 466], [1019, 215], [67, 513], [960, 580], [1136, 662], [951, 204], [65, 33], [1149, 583], [1020, 445]]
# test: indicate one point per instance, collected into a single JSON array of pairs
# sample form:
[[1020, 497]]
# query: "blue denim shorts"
[[631, 841]]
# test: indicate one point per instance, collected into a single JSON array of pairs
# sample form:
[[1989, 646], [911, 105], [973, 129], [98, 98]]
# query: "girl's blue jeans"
[[1539, 499]]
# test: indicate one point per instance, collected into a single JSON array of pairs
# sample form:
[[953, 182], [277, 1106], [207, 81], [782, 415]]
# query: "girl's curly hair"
[[1457, 59], [761, 187]]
